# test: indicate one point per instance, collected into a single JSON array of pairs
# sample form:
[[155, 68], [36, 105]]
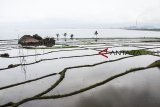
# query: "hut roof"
[[28, 39]]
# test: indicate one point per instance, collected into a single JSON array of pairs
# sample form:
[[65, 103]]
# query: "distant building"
[[28, 40]]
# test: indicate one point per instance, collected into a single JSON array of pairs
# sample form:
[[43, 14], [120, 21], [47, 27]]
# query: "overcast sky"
[[79, 12]]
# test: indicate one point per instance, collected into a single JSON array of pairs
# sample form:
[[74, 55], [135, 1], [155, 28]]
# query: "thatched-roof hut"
[[27, 40], [36, 41]]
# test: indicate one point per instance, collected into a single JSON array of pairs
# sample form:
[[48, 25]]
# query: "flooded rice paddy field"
[[80, 76]]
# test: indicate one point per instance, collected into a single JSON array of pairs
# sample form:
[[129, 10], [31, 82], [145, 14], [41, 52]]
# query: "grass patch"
[[6, 55], [155, 64], [132, 52], [139, 52], [54, 47], [13, 66], [67, 46], [151, 41]]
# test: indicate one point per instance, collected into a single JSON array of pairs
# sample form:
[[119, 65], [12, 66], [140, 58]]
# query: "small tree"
[[96, 33], [36, 36], [65, 34], [71, 36], [57, 36]]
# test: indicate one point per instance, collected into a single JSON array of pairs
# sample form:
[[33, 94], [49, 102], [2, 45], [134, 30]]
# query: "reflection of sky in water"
[[140, 89], [82, 77]]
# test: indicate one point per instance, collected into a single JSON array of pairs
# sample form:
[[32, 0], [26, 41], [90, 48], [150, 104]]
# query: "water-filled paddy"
[[80, 67]]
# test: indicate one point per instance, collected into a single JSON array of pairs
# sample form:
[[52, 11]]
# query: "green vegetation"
[[133, 52], [65, 34], [4, 55], [36, 36], [54, 47], [143, 29], [57, 36], [155, 64], [151, 41], [138, 52], [96, 33], [42, 96], [67, 46], [71, 36], [12, 66]]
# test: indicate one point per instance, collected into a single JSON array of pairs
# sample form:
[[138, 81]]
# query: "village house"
[[28, 40]]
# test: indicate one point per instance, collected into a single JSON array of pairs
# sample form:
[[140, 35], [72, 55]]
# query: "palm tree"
[[71, 36], [57, 36], [96, 33], [65, 34]]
